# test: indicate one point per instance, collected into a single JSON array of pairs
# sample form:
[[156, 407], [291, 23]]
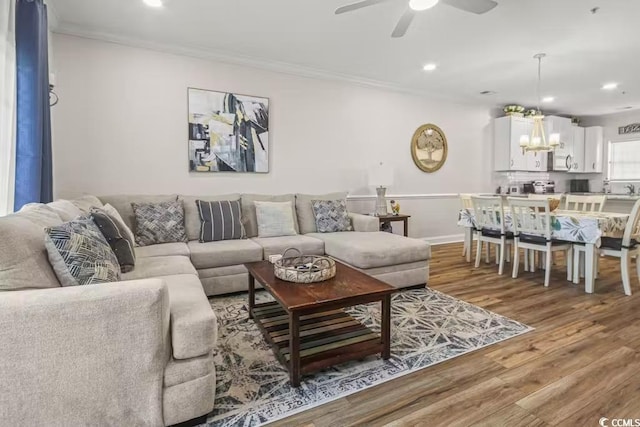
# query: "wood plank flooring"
[[580, 364]]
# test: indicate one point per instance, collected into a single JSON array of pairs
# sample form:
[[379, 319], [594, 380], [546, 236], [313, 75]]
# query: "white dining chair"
[[584, 203], [465, 201], [625, 247], [490, 227], [532, 230]]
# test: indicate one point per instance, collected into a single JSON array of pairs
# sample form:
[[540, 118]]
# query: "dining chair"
[[465, 201], [532, 232], [625, 247], [490, 227], [584, 203], [533, 196]]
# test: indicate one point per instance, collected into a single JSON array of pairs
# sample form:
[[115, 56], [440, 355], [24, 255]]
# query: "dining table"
[[586, 228]]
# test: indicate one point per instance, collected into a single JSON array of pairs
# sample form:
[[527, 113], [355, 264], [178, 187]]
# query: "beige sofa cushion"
[[152, 267], [370, 250], [24, 262], [224, 253], [191, 215], [277, 245], [85, 203], [194, 328], [122, 203], [163, 249], [306, 217], [65, 209], [40, 215], [182, 371], [249, 219]]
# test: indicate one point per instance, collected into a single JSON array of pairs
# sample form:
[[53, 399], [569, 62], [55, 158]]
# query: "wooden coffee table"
[[306, 325]]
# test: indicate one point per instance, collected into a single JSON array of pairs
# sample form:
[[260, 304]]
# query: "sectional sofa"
[[139, 351]]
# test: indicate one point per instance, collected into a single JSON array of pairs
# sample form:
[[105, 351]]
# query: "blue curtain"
[[34, 181]]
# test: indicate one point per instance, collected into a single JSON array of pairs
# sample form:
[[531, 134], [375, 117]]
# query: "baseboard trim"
[[443, 240]]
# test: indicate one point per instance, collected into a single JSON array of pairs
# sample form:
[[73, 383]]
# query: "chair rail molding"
[[424, 196]]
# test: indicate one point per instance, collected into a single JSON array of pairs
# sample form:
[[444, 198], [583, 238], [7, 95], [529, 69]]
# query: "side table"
[[386, 220]]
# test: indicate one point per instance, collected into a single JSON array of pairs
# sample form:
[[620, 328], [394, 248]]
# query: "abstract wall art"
[[227, 132]]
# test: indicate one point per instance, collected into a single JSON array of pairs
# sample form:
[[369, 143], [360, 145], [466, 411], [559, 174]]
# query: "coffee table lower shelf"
[[325, 339]]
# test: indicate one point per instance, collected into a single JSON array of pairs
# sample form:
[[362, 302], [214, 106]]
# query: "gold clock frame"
[[414, 147]]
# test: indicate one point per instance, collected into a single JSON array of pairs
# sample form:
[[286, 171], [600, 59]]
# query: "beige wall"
[[121, 127]]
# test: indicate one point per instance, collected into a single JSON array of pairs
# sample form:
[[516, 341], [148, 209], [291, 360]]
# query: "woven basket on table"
[[304, 268]]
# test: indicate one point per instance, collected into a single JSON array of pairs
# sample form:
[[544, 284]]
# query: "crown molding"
[[253, 62]]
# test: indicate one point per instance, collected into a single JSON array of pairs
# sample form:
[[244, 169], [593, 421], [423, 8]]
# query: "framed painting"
[[429, 148], [228, 132]]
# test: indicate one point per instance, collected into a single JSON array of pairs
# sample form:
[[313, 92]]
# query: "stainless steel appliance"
[[544, 187], [579, 185]]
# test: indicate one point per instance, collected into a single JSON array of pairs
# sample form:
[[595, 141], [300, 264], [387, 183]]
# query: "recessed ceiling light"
[[548, 99], [422, 4], [609, 86], [153, 3], [430, 67]]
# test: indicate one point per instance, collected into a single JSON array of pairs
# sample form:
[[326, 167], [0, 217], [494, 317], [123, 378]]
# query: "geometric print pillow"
[[159, 222], [79, 253], [331, 216]]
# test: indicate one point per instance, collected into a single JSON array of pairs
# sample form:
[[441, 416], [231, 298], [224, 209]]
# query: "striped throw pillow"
[[220, 220]]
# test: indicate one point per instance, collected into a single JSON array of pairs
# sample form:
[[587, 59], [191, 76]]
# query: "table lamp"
[[380, 177]]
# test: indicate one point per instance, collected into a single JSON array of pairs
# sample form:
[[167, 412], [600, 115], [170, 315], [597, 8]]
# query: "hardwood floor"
[[580, 364]]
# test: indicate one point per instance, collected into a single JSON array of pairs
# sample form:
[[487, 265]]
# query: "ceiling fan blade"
[[473, 6], [403, 24], [358, 5]]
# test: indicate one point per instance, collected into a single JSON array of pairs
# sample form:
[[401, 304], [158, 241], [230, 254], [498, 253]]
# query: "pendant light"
[[538, 141]]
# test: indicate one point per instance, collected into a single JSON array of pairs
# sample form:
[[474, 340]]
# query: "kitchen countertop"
[[610, 196]]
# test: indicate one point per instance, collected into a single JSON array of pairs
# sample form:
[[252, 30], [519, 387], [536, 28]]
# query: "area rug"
[[428, 327]]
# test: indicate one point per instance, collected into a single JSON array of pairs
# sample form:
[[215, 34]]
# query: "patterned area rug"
[[428, 327]]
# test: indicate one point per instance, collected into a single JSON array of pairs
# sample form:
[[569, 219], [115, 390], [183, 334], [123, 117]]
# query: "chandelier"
[[538, 141]]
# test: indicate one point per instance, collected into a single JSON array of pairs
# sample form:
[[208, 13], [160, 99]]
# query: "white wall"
[[121, 127]]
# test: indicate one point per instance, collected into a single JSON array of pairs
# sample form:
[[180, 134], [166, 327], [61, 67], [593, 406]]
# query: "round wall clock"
[[429, 148]]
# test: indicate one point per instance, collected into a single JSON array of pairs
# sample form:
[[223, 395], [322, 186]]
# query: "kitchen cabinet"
[[537, 162], [564, 151], [576, 161], [508, 155], [593, 149]]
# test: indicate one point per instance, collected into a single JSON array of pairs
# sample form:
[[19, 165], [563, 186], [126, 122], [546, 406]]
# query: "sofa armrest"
[[364, 222], [84, 355]]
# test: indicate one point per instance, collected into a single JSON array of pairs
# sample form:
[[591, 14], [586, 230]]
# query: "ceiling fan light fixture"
[[419, 5]]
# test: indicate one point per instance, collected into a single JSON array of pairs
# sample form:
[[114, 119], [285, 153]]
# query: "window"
[[624, 161]]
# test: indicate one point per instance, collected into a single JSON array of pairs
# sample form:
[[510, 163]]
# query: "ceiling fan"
[[473, 6]]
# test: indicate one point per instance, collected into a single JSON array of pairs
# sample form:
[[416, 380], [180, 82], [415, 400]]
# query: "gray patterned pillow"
[[80, 255], [159, 222], [331, 216]]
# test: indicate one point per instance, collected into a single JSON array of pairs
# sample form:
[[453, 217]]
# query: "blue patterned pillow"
[[331, 216], [80, 255]]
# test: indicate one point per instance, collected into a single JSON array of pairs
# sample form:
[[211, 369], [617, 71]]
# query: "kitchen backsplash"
[[561, 179]]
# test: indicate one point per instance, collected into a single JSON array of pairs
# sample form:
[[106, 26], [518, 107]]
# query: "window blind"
[[624, 161]]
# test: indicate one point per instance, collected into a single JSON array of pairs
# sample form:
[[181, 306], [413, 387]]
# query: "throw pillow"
[[275, 219], [331, 216], [121, 246], [122, 226], [159, 223], [80, 255], [220, 220]]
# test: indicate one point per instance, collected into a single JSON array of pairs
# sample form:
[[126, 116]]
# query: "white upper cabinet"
[[593, 148], [508, 155], [577, 158], [563, 152]]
